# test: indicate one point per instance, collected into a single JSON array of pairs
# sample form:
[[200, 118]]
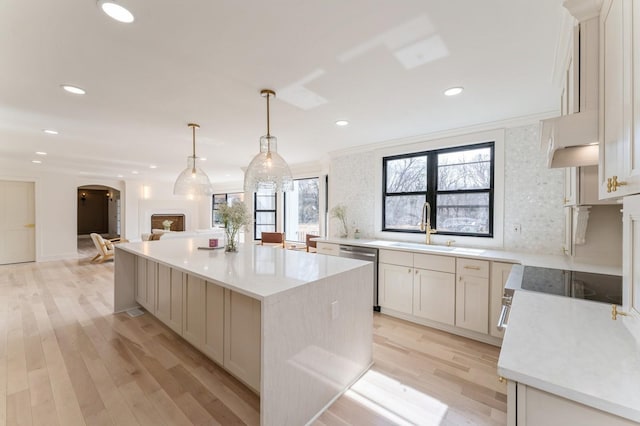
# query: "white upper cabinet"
[[620, 101], [581, 187]]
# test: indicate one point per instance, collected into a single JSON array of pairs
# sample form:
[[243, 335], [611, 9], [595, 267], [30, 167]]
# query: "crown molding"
[[494, 125]]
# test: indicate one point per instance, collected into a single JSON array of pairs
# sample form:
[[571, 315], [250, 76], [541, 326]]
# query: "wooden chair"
[[105, 248], [311, 244], [272, 238]]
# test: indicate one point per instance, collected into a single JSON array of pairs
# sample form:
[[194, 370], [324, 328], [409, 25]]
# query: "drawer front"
[[434, 262], [327, 248], [394, 257], [473, 268]]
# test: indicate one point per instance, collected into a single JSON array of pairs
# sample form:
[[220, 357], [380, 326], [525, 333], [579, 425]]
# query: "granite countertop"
[[572, 348], [542, 260], [256, 271]]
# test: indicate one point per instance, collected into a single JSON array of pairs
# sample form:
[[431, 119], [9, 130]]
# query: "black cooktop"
[[580, 285]]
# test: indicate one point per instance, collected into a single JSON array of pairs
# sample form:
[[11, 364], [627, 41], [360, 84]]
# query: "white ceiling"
[[381, 64]]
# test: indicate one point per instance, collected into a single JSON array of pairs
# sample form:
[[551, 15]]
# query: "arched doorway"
[[99, 211]]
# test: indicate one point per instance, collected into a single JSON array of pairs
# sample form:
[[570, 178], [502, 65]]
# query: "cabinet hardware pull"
[[416, 271], [475, 268], [501, 379], [615, 184], [615, 312], [409, 270], [609, 184]]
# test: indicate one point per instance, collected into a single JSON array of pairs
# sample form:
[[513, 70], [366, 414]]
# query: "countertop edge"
[[572, 394], [127, 247], [491, 254]]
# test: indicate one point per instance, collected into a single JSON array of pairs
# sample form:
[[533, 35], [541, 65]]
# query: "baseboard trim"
[[485, 338]]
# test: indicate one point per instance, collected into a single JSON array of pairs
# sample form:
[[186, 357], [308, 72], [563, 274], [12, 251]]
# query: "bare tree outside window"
[[301, 207], [457, 182]]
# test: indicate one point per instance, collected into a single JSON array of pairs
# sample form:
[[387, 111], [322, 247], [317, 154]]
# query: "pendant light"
[[192, 181], [268, 172]]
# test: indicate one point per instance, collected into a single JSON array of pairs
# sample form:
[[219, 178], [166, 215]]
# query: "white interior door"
[[17, 222]]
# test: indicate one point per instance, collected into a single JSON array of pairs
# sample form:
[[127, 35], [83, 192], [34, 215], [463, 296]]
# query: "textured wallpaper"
[[352, 182], [533, 193]]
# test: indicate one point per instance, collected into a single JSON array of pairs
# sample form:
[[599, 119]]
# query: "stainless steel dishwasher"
[[368, 254]]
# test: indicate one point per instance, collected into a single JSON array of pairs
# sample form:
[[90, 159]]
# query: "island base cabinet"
[[434, 295], [203, 318], [242, 328], [145, 288], [538, 408], [169, 297]]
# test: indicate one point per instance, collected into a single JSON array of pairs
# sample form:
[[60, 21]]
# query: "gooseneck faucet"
[[425, 223]]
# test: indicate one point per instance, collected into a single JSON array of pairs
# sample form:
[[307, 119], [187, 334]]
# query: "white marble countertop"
[[546, 261], [256, 271], [572, 348]]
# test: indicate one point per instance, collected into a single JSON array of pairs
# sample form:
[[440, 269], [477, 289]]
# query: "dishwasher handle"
[[350, 251]]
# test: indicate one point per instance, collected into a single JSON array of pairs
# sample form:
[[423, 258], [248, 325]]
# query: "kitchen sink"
[[418, 246]]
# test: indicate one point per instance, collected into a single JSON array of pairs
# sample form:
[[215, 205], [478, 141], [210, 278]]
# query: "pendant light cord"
[[193, 128], [268, 128]]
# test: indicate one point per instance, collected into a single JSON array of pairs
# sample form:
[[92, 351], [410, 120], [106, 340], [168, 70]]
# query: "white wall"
[[529, 193], [56, 206]]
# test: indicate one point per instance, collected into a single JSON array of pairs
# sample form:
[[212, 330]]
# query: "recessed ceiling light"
[[116, 11], [50, 131], [41, 153], [342, 123], [453, 91], [227, 175], [153, 166], [120, 176], [202, 158], [135, 172], [74, 89], [36, 161]]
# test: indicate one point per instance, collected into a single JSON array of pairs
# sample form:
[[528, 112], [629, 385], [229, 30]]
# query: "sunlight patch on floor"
[[395, 401]]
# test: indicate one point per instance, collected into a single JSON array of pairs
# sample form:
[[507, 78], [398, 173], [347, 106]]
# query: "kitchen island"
[[295, 327]]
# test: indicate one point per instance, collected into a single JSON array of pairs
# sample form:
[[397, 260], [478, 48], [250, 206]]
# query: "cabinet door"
[[146, 283], [472, 303], [568, 231], [434, 295], [213, 344], [570, 186], [615, 24], [395, 287], [242, 331], [499, 274], [193, 316], [141, 281], [327, 248], [539, 408], [169, 297], [631, 254]]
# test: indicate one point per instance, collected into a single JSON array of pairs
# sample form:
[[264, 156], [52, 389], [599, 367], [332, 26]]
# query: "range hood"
[[571, 140]]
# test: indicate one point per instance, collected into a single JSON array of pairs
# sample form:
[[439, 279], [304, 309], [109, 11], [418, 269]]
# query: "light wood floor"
[[65, 359]]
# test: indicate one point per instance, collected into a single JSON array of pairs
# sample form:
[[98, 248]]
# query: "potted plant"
[[234, 217], [340, 212]]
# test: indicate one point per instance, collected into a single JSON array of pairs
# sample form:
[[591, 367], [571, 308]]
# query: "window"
[[457, 183], [219, 199], [264, 214], [301, 208]]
